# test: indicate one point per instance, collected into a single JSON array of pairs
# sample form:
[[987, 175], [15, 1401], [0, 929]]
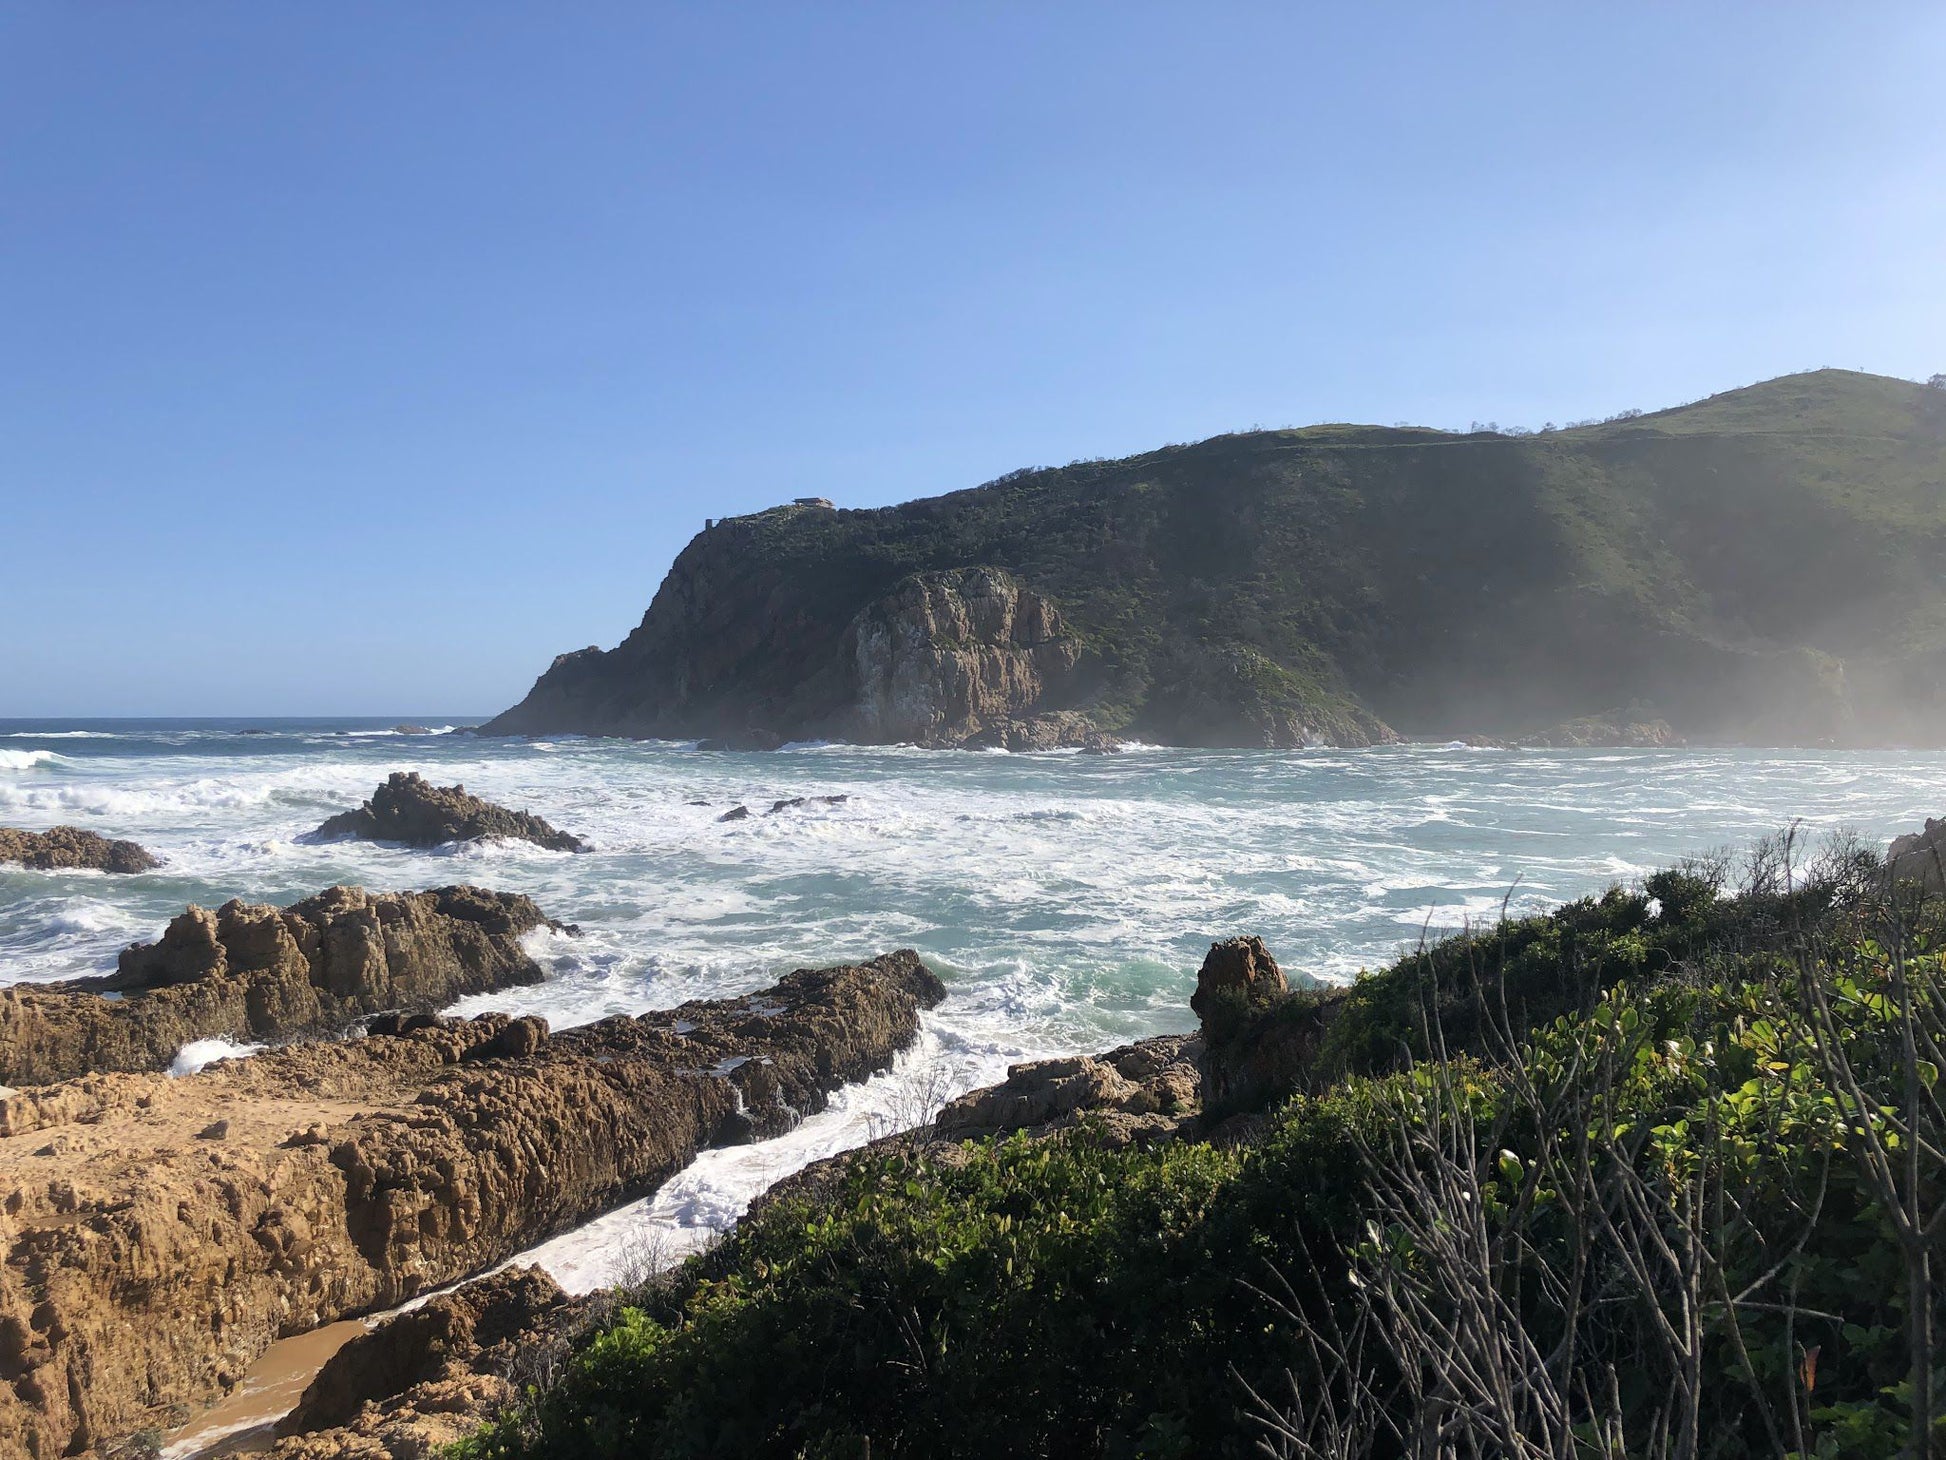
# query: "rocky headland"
[[253, 973], [161, 1233], [1332, 586], [65, 848], [409, 809]]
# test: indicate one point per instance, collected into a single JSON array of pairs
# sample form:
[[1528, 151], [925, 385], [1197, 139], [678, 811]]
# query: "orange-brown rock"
[[428, 1377], [146, 1266], [253, 973], [1136, 1092], [62, 848]]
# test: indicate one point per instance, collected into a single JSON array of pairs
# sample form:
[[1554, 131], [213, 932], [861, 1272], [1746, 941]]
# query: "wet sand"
[[241, 1423]]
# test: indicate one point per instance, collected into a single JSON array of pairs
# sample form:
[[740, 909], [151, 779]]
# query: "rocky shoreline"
[[252, 973], [161, 1233], [408, 1387]]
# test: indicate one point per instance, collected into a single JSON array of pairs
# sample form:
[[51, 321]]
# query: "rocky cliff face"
[[159, 1234], [947, 657], [254, 973]]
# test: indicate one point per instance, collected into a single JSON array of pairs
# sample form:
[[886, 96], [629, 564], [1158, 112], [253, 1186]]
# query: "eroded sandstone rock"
[[1139, 1091], [430, 1376], [945, 657], [254, 973], [410, 809], [1259, 1039], [145, 1269], [65, 847]]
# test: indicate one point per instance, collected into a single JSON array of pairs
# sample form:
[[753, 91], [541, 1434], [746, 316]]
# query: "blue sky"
[[358, 358]]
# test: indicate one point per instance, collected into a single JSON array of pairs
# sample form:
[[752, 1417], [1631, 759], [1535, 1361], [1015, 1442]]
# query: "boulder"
[[408, 808], [1237, 973], [257, 974], [1920, 856], [64, 847], [1259, 1038], [1140, 1091]]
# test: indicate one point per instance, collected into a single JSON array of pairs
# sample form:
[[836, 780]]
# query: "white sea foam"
[[201, 1052], [709, 1196]]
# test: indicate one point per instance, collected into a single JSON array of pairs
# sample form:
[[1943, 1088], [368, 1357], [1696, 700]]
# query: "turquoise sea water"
[[1066, 899]]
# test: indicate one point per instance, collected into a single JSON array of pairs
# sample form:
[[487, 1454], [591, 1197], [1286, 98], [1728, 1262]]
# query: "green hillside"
[[1762, 565]]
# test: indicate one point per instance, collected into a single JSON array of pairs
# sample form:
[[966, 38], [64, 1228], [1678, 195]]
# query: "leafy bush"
[[1689, 1211]]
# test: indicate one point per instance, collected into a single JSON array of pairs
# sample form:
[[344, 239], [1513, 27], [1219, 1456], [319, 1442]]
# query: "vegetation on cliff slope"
[[1759, 565], [1665, 1178]]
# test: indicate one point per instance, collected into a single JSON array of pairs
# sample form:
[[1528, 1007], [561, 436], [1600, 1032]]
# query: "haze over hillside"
[[1764, 565]]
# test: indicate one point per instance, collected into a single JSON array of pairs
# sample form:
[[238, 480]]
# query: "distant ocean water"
[[1066, 899]]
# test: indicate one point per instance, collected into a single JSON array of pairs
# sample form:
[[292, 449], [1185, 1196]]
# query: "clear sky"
[[360, 357]]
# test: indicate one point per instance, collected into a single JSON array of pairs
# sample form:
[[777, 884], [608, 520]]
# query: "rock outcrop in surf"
[[253, 973], [151, 1256], [66, 848], [408, 808]]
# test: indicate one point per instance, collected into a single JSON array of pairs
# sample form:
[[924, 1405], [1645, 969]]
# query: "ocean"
[[1065, 899]]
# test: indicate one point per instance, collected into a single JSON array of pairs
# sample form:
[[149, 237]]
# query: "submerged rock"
[[1063, 730], [791, 803], [252, 973], [752, 739], [144, 1269], [65, 847], [410, 809]]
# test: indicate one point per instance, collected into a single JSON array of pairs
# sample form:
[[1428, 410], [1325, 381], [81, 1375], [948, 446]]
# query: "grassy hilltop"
[[1761, 565]]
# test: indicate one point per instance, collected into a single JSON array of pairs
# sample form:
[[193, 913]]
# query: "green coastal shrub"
[[1660, 1207]]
